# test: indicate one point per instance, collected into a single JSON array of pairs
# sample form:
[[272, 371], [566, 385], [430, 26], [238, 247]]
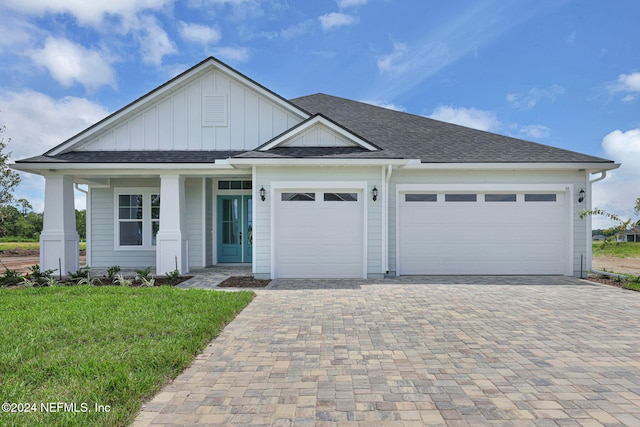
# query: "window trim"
[[147, 220]]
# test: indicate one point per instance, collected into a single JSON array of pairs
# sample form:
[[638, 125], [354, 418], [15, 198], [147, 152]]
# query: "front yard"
[[619, 258], [84, 355]]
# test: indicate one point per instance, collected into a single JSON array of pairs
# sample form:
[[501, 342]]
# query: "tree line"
[[20, 222]]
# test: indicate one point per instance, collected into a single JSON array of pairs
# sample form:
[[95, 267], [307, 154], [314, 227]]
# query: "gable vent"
[[214, 110]]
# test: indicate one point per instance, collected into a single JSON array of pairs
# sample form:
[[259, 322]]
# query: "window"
[[298, 197], [499, 197], [234, 185], [539, 197], [138, 218], [460, 197], [420, 197], [340, 197]]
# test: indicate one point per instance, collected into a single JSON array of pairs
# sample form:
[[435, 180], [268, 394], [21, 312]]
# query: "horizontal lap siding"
[[102, 241], [193, 221]]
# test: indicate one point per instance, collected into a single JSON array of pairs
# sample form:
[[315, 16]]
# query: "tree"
[[9, 179], [622, 224]]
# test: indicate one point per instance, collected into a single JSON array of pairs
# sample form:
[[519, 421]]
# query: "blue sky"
[[559, 72]]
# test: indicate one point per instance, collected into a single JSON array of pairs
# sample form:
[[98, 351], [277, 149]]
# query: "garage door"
[[319, 234], [482, 233]]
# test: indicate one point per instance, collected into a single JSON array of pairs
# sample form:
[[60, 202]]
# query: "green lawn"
[[620, 250], [88, 346], [7, 246]]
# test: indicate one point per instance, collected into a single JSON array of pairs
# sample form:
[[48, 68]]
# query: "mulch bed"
[[605, 280], [243, 282]]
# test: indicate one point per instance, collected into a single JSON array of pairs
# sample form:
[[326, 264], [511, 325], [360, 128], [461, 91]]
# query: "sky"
[[564, 73]]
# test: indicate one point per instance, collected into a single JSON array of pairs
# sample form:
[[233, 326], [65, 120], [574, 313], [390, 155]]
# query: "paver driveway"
[[393, 353]]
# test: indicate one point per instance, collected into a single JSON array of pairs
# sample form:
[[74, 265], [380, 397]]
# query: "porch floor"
[[210, 277]]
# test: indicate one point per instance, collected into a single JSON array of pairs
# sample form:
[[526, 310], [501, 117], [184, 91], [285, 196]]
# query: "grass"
[[8, 246], [620, 250], [101, 345]]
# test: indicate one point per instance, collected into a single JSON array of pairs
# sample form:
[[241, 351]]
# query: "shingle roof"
[[433, 141], [133, 157], [320, 152]]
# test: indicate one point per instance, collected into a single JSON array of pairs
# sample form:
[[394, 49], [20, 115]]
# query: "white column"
[[171, 241], [59, 239]]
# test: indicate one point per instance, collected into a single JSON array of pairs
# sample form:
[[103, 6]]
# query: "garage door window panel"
[[460, 197], [499, 197], [298, 197], [421, 197], [340, 197], [540, 197]]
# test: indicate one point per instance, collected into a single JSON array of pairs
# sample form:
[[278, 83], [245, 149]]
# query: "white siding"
[[577, 179], [318, 136], [262, 218], [103, 254], [194, 221], [174, 122]]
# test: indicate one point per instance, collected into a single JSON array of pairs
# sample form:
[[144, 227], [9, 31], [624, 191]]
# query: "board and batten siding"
[[262, 218], [576, 178], [175, 121], [318, 136]]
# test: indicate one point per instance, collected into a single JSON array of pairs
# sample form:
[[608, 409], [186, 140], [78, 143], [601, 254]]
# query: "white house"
[[211, 167]]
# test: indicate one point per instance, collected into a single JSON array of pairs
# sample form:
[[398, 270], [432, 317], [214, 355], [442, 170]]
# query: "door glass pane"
[[340, 197], [460, 197], [230, 221], [422, 197], [499, 197], [298, 197], [249, 222], [539, 197]]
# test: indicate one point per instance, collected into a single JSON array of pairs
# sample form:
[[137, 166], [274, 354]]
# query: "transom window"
[[137, 218], [298, 197], [340, 197], [235, 185]]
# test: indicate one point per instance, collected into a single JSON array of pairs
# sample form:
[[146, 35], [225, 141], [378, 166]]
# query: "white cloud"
[[469, 117], [527, 100], [16, 33], [350, 3], [197, 33], [535, 131], [234, 54], [86, 12], [618, 192], [393, 62], [628, 82], [36, 122], [333, 20], [70, 63], [154, 41], [383, 104], [628, 98]]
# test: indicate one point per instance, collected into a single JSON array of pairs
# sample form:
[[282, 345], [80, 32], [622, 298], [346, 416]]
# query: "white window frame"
[[147, 229]]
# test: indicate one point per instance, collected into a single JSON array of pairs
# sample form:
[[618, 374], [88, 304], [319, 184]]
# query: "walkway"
[[548, 351]]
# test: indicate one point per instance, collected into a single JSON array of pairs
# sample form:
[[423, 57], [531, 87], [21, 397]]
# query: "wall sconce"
[[374, 192], [581, 195], [262, 193]]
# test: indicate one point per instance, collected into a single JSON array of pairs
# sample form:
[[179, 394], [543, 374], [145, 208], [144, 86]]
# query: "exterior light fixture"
[[581, 195], [374, 192], [262, 193]]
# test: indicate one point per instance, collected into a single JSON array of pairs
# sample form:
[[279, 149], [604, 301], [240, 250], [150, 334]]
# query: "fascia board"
[[316, 162], [128, 168], [414, 165]]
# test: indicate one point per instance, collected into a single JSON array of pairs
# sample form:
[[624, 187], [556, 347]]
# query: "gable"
[[318, 131], [210, 107]]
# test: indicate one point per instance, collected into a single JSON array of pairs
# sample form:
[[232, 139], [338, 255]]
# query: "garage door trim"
[[277, 187], [568, 189]]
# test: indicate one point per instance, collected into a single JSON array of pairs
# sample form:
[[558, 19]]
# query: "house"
[[211, 167], [632, 235]]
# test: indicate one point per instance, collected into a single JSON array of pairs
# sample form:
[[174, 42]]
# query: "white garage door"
[[482, 233], [319, 234]]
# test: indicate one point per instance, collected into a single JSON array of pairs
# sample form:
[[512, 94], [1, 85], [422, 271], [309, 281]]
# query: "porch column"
[[59, 238], [171, 241]]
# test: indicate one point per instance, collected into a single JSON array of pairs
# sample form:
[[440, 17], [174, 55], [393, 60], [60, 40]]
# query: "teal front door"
[[235, 229]]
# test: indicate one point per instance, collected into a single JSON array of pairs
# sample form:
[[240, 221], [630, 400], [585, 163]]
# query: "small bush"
[[112, 271], [173, 274], [143, 274], [10, 277]]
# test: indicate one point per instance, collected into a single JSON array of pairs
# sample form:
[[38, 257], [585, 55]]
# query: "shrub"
[[143, 274], [10, 277], [112, 271]]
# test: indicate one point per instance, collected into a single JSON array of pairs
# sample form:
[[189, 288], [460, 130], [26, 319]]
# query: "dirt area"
[[21, 259], [618, 265]]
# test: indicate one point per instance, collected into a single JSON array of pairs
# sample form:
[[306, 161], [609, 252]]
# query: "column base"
[[59, 251]]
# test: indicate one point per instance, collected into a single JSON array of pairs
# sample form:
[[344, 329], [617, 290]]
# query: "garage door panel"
[[483, 237], [316, 239]]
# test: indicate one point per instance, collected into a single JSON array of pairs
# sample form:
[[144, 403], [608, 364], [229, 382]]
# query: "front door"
[[235, 229]]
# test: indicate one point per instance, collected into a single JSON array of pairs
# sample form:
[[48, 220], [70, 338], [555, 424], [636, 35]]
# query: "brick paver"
[[420, 351]]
